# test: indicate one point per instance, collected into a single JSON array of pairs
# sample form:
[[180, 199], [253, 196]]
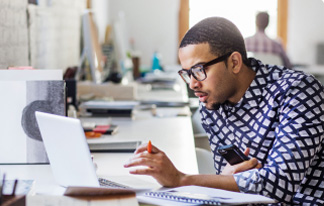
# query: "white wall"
[[45, 36], [305, 30], [152, 24], [54, 33], [13, 34]]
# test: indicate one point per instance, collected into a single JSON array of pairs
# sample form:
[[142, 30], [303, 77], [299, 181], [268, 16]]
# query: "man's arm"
[[161, 168], [297, 141]]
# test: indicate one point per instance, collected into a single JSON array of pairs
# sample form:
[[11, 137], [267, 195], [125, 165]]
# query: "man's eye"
[[197, 69]]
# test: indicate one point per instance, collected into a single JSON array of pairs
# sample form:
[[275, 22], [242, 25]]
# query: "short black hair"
[[221, 34]]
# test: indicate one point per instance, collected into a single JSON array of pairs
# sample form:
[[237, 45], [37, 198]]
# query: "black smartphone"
[[232, 154]]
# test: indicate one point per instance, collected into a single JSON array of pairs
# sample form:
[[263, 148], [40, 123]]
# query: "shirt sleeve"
[[298, 138]]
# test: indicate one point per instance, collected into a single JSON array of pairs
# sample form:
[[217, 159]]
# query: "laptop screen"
[[67, 150]]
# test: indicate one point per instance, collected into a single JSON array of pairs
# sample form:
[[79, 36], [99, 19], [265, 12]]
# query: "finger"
[[254, 162], [141, 171], [140, 161], [246, 165], [247, 151], [143, 148], [154, 149], [259, 165]]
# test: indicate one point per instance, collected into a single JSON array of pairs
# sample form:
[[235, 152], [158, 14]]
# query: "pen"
[[1, 187], [1, 195], [14, 188], [149, 147]]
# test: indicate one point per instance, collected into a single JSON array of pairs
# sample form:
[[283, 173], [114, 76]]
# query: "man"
[[260, 42], [272, 113]]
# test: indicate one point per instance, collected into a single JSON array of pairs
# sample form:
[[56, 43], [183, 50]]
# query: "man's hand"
[[158, 165], [252, 163]]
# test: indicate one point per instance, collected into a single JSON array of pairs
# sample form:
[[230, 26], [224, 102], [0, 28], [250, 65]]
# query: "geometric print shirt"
[[280, 118]]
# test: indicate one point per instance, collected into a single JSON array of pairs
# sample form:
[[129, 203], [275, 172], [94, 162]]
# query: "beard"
[[212, 106], [215, 106]]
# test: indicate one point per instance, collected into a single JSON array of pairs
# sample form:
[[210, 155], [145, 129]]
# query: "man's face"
[[219, 86]]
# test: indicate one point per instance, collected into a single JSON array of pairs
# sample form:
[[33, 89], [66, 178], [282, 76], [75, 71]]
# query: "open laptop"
[[69, 154]]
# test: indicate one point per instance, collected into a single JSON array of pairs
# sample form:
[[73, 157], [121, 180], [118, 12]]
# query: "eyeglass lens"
[[185, 76], [197, 72]]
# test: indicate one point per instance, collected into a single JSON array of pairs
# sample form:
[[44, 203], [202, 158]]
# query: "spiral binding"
[[179, 198]]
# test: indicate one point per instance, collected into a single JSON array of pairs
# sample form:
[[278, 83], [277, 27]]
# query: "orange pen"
[[92, 134], [149, 147]]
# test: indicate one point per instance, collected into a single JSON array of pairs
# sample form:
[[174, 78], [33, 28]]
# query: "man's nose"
[[193, 83]]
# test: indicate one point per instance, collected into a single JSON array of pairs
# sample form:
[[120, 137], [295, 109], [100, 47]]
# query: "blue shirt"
[[280, 118]]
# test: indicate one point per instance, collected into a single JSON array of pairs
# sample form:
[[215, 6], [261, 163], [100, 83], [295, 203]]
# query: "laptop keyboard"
[[108, 183]]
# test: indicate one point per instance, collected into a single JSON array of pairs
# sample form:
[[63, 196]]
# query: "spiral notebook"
[[197, 195]]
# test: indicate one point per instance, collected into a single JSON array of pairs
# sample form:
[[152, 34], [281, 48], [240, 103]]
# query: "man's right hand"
[[158, 165]]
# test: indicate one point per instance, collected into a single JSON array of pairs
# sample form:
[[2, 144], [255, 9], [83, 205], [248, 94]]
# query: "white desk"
[[171, 134], [317, 70]]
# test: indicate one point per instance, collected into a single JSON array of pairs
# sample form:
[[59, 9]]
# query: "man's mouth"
[[202, 96]]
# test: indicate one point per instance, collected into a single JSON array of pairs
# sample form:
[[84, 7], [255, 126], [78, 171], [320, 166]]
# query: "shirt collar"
[[253, 94]]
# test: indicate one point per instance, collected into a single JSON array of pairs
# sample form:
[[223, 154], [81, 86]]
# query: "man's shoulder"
[[286, 79], [277, 72]]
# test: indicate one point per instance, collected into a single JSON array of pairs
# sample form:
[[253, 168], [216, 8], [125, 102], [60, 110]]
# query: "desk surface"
[[171, 134], [312, 69]]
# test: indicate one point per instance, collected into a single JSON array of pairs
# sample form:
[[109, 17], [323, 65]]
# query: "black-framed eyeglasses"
[[198, 71]]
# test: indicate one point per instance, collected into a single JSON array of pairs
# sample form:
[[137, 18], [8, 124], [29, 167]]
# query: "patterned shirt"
[[280, 118], [260, 42]]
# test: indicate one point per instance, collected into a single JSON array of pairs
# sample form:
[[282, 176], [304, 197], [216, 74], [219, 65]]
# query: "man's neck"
[[245, 79]]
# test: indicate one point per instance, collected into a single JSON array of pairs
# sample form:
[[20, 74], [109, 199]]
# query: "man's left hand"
[[252, 163]]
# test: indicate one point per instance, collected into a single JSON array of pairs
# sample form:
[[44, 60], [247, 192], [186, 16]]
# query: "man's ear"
[[235, 62]]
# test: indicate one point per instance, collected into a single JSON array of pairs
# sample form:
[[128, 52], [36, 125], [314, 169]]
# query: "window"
[[241, 13]]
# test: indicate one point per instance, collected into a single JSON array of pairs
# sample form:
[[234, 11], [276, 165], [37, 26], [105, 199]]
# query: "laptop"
[[69, 155]]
